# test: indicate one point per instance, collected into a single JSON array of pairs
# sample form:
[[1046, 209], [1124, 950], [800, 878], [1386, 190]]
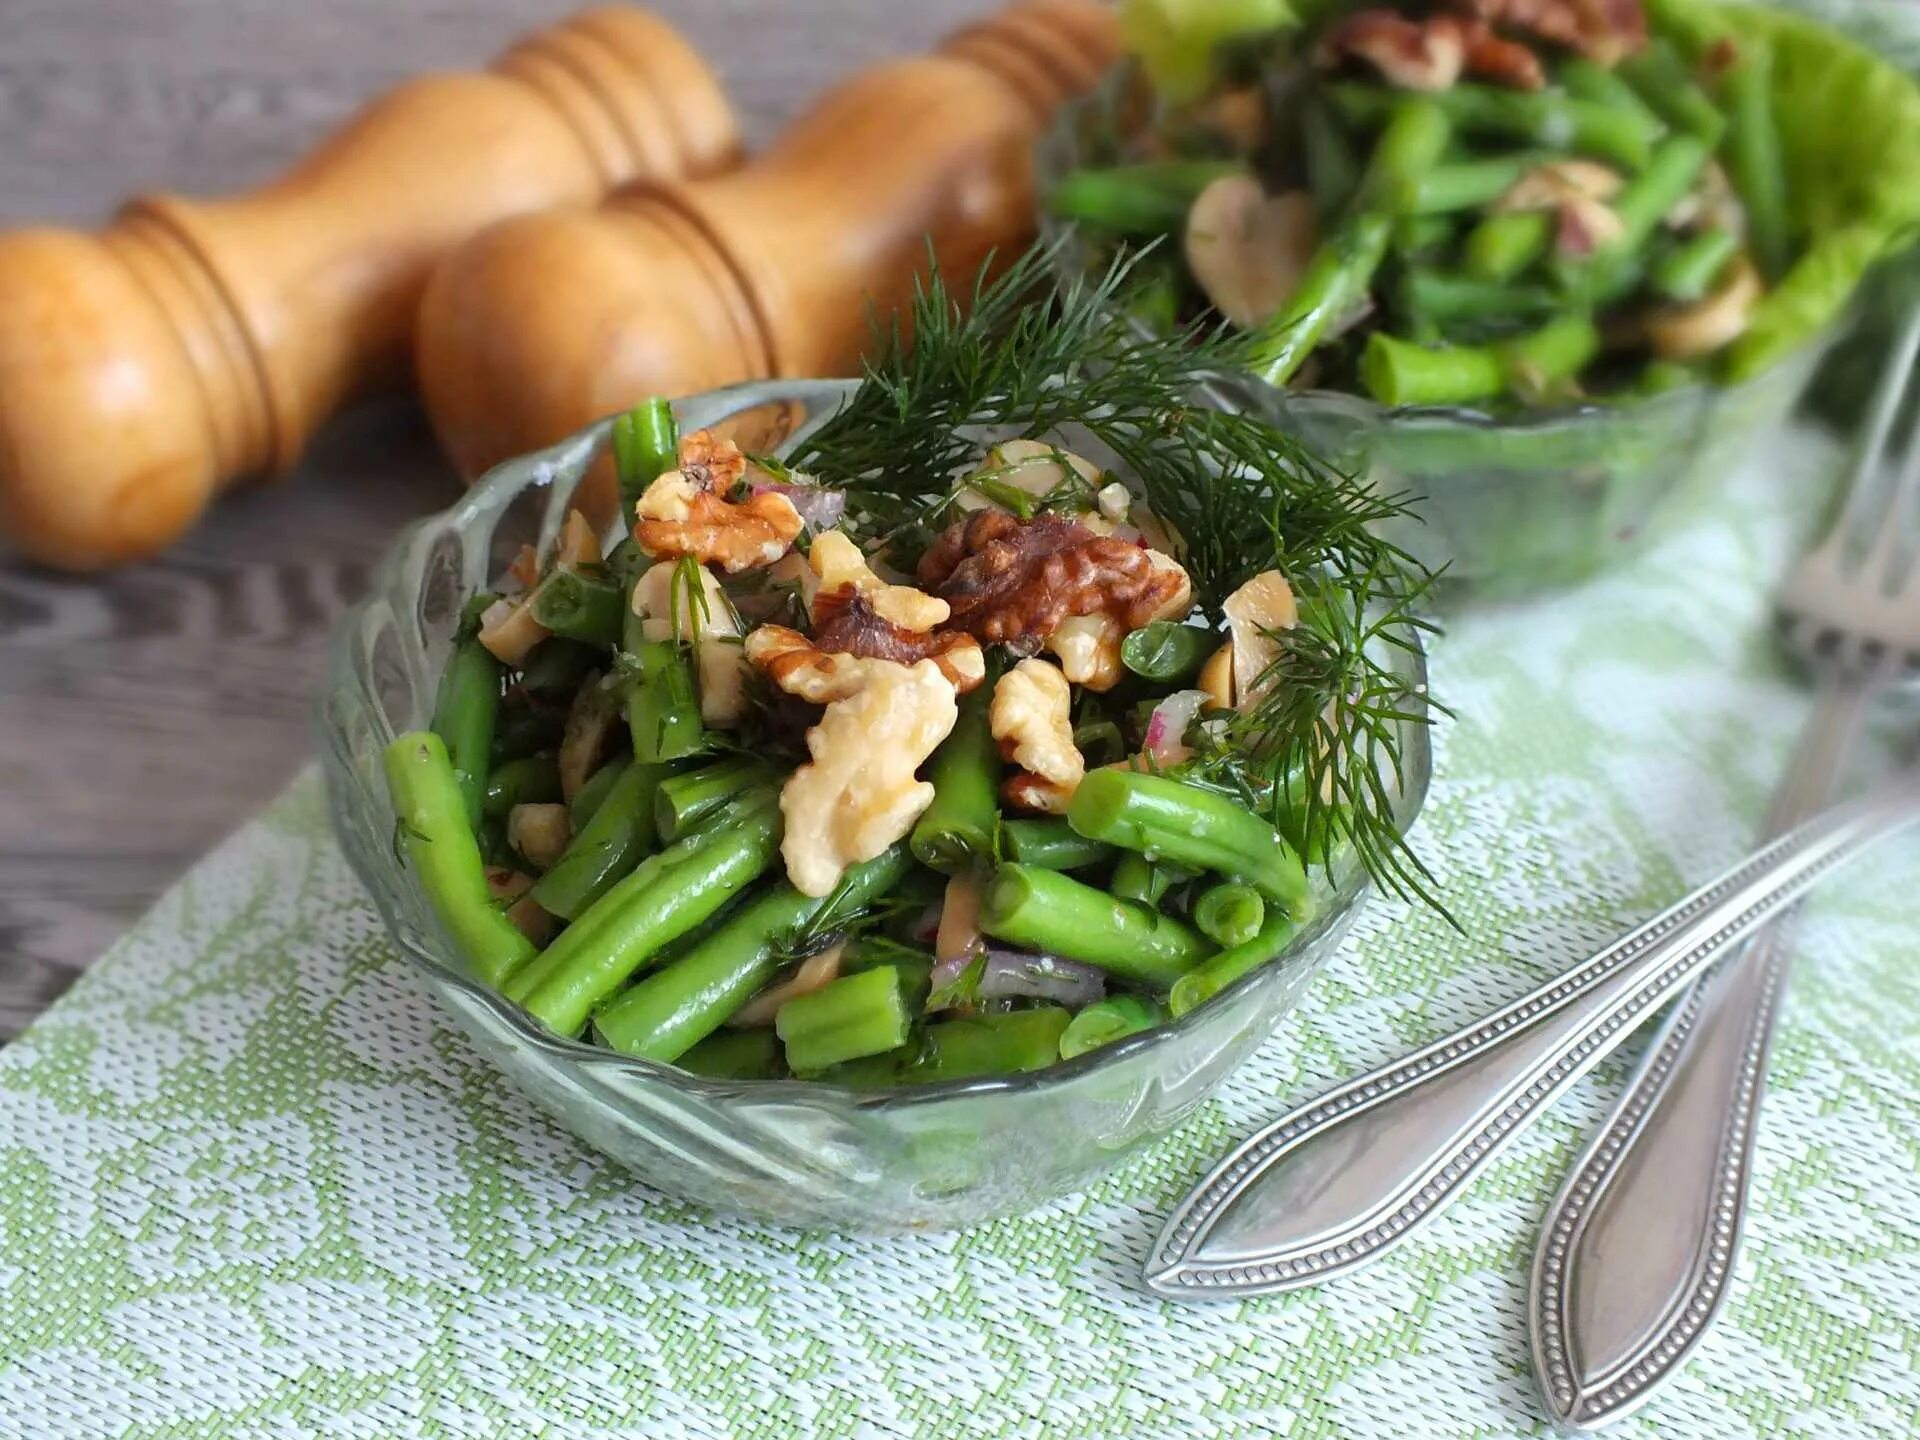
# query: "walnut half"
[[1032, 719], [686, 512]]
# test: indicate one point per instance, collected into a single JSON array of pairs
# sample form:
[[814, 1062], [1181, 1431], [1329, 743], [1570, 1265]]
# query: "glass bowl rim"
[[490, 495], [1058, 237]]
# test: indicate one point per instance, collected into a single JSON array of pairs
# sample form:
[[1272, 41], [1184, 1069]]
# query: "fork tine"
[[1864, 489]]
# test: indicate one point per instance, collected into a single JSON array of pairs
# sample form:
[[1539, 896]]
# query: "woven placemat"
[[251, 1184]]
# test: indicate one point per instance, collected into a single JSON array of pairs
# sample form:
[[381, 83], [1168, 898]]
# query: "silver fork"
[[1637, 1254], [1342, 1179]]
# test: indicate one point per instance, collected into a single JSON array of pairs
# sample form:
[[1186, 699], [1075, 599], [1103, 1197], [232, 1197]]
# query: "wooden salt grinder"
[[145, 367], [545, 323]]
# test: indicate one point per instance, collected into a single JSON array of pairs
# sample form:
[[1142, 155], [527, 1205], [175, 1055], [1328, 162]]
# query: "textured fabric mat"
[[252, 1185]]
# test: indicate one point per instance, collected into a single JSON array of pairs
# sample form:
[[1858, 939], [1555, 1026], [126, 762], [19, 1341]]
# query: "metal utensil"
[[1636, 1257], [1337, 1182]]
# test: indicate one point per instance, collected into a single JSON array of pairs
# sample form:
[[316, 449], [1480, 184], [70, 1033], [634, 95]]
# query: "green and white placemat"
[[251, 1184]]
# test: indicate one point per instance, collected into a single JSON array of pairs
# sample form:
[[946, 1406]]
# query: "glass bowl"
[[791, 1152], [1508, 503]]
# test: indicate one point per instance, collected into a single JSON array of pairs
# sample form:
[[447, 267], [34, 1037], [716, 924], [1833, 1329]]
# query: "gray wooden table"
[[144, 715]]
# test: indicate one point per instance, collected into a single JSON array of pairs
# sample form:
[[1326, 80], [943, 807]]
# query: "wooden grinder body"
[[543, 324], [190, 344]]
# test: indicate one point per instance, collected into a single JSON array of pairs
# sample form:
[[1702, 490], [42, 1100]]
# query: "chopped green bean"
[[580, 607], [663, 711], [1461, 184], [431, 807], [589, 798], [1150, 198], [1501, 246], [1219, 971], [530, 780], [1108, 1020], [846, 1019], [736, 1055], [1447, 300], [1167, 652], [684, 799], [1660, 77], [464, 716], [606, 846], [956, 830], [1044, 910], [1691, 269], [1587, 81], [646, 444], [1051, 844], [1396, 372], [1752, 153], [1229, 914], [1333, 170]]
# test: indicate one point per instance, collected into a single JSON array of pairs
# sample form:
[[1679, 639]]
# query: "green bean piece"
[[1333, 285], [1219, 971], [691, 996], [1229, 914], [1416, 236], [615, 838], [1108, 1020], [530, 780], [1585, 80], [1640, 205], [1751, 150], [956, 830], [1412, 143], [846, 1019], [1660, 376], [646, 444], [592, 795], [914, 966], [1333, 170], [1548, 118], [736, 1055], [580, 607], [1396, 372], [663, 711], [1166, 820], [1137, 880], [1051, 844], [1008, 1043], [683, 800], [1167, 652], [557, 666], [1450, 300], [465, 713], [1461, 184], [1101, 741], [1658, 75], [1501, 246], [431, 806], [1144, 200], [1691, 269], [667, 896], [1044, 910]]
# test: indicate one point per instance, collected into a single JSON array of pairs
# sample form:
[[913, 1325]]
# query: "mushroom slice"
[[1247, 248], [1686, 332], [1258, 608]]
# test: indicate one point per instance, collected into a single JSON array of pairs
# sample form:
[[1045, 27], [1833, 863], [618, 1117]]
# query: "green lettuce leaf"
[[1175, 39], [1850, 141]]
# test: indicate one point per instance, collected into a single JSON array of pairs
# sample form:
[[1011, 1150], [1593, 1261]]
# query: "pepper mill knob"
[[187, 345], [545, 323]]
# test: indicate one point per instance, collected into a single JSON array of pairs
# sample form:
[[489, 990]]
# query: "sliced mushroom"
[[1247, 248], [1685, 332], [1216, 677], [509, 631], [591, 722], [812, 973], [539, 833], [508, 885]]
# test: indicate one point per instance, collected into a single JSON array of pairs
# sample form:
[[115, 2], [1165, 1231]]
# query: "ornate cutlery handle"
[[1342, 1179], [1636, 1254]]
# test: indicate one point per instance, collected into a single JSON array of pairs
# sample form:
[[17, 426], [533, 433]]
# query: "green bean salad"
[[1455, 202], [937, 749]]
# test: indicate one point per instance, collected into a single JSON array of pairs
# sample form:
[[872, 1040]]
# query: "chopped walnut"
[[686, 512], [669, 612], [859, 793], [841, 567], [1088, 649], [1431, 53], [849, 622], [799, 667], [1016, 581], [523, 910], [1261, 606], [1605, 31], [539, 832], [1032, 719]]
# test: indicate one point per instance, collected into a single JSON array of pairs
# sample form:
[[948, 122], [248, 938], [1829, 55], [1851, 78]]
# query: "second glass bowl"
[[797, 1153]]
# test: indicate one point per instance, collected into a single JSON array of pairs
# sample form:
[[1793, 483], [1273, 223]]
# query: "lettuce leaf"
[[1850, 141], [1175, 39]]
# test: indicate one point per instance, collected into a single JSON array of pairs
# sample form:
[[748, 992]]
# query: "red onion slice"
[[1165, 740], [1016, 974], [820, 508]]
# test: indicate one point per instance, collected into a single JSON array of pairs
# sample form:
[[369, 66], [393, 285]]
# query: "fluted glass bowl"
[[1506, 503], [788, 1151]]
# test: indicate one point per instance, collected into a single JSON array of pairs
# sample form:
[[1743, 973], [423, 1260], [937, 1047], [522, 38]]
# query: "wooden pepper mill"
[[544, 323], [187, 345]]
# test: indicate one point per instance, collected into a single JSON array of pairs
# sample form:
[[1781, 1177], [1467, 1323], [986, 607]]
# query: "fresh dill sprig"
[[1240, 495]]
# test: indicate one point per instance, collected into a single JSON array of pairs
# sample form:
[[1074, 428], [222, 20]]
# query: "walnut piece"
[[840, 566], [686, 512], [1032, 719], [1430, 53], [848, 622], [1015, 582], [1578, 192], [1605, 31], [859, 793], [669, 612]]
